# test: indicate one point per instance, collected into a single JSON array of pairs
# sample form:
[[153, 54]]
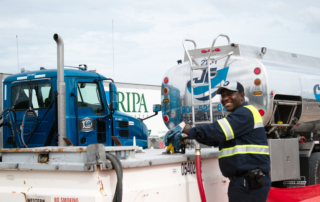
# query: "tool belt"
[[255, 177]]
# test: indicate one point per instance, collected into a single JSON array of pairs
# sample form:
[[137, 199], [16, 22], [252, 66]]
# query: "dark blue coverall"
[[242, 145]]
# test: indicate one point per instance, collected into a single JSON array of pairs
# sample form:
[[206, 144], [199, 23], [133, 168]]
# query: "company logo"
[[316, 91], [221, 76], [131, 102], [86, 124]]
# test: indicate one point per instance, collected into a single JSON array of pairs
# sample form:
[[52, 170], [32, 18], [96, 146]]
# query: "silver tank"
[[288, 95]]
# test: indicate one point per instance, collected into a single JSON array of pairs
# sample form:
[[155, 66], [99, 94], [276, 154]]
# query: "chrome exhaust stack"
[[61, 86]]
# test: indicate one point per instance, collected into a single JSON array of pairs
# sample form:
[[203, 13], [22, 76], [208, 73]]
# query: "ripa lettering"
[[137, 101]]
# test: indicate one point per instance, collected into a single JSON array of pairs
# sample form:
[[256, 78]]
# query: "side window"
[[41, 96], [22, 101], [89, 97]]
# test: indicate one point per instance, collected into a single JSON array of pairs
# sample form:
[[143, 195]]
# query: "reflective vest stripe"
[[258, 123], [244, 149], [225, 126]]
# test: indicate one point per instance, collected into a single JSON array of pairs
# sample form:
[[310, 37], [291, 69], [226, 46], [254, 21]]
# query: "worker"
[[243, 147]]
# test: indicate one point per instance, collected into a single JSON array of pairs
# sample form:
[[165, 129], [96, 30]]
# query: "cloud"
[[314, 13], [147, 35], [16, 23]]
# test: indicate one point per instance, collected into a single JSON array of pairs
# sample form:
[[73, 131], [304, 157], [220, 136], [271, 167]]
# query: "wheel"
[[314, 168]]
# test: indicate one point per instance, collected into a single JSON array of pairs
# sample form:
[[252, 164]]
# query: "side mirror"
[[113, 96], [156, 108]]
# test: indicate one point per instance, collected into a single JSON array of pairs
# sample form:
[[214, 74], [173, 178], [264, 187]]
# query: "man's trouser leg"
[[240, 191]]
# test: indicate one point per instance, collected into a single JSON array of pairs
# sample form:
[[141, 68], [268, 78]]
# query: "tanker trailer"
[[283, 86]]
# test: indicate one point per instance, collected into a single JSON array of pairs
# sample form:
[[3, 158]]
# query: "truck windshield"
[[38, 94], [89, 97]]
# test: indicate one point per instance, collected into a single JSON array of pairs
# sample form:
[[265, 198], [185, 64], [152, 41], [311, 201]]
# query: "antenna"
[[113, 49], [17, 53]]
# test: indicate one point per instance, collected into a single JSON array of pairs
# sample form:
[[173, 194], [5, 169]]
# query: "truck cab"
[[90, 119]]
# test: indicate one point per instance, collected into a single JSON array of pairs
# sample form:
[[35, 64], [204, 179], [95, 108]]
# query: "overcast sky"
[[147, 33]]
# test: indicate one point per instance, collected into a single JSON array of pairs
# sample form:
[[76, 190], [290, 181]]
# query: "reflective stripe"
[[244, 149], [228, 132], [258, 123]]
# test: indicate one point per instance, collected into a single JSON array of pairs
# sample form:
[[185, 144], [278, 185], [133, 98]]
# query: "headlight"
[[173, 113], [171, 125]]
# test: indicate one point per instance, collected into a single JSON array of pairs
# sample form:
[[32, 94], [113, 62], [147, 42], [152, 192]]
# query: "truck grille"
[[123, 124], [124, 133]]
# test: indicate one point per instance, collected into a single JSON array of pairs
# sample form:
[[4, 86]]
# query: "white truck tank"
[[283, 86]]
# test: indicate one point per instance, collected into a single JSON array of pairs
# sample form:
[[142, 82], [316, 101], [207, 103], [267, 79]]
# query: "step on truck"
[[63, 142], [283, 86]]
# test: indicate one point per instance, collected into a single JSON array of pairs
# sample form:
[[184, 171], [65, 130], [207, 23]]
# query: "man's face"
[[231, 100]]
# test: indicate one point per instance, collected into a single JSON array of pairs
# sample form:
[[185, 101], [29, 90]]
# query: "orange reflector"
[[166, 100], [257, 82], [165, 90], [257, 93]]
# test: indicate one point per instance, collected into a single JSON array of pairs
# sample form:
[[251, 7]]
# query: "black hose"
[[15, 120], [118, 168], [12, 133], [34, 125]]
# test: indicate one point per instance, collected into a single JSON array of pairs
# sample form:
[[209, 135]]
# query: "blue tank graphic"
[[222, 75]]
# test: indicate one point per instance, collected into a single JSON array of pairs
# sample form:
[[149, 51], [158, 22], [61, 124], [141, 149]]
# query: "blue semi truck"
[[33, 115]]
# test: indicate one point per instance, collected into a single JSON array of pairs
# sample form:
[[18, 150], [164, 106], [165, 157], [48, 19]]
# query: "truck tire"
[[314, 165]]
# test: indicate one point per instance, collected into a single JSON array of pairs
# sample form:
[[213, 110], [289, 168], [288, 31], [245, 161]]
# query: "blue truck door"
[[38, 96], [91, 103]]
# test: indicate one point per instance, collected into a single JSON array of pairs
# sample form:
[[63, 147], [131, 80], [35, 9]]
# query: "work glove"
[[174, 138]]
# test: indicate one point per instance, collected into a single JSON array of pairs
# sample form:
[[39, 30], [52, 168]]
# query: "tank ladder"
[[195, 66]]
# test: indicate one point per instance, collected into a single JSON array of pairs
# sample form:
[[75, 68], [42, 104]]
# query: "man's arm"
[[235, 125]]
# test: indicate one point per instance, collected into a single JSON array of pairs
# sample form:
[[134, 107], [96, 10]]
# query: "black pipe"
[[77, 117], [14, 142], [118, 168]]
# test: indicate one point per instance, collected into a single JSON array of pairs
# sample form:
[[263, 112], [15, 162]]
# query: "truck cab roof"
[[51, 73]]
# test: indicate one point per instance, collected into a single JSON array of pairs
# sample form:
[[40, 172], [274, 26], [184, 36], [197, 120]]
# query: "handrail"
[[185, 48], [225, 64], [214, 41]]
